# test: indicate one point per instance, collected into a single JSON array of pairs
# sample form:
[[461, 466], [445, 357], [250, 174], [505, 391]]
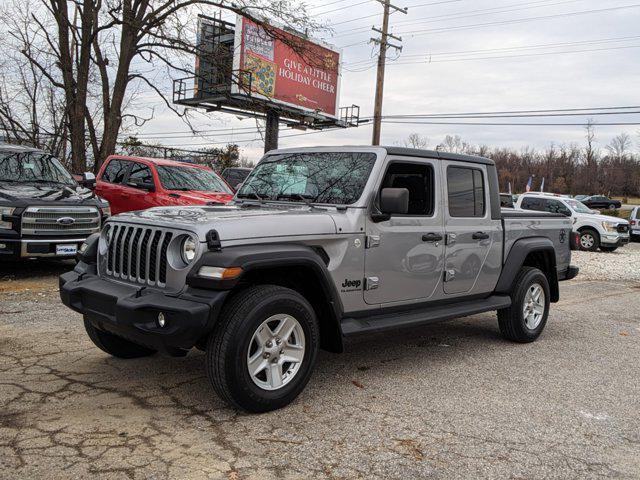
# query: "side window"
[[554, 206], [530, 203], [115, 171], [466, 192], [418, 179], [140, 173]]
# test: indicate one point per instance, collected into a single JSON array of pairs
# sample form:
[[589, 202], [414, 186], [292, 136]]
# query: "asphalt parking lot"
[[452, 400]]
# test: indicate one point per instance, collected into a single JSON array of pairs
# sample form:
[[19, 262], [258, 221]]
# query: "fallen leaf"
[[624, 334], [357, 384]]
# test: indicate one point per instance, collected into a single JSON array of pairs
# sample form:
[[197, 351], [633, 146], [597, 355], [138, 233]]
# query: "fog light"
[[3, 246], [161, 319]]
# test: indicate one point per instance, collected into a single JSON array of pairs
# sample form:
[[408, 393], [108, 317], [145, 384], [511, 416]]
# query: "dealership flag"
[[542, 185], [529, 184]]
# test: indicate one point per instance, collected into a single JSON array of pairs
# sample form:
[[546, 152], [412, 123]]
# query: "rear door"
[[473, 252], [404, 255], [110, 184]]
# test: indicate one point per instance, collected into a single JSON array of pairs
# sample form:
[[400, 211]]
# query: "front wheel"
[[525, 319], [262, 352], [589, 240], [612, 207]]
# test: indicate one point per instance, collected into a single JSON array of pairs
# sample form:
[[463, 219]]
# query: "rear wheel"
[[114, 345], [527, 316], [589, 240], [263, 349]]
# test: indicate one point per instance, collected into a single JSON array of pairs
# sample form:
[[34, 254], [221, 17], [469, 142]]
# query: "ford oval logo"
[[66, 221]]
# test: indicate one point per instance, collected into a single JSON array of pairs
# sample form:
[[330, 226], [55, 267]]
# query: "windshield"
[[33, 167], [336, 178], [190, 178], [578, 207]]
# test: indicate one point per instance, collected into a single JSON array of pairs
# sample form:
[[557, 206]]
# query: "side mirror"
[[150, 187], [88, 180], [394, 201]]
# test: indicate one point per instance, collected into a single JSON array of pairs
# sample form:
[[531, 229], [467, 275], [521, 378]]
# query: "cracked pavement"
[[451, 400]]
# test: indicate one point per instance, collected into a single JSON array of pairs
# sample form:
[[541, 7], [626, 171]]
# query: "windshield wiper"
[[297, 196], [253, 194]]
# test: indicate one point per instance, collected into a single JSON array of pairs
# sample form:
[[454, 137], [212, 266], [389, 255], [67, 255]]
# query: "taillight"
[[633, 222]]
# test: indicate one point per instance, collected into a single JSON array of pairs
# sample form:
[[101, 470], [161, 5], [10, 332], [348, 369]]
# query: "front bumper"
[[131, 312], [15, 249], [615, 239]]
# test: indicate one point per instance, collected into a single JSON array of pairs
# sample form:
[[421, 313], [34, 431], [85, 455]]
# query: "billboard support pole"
[[271, 131], [382, 56]]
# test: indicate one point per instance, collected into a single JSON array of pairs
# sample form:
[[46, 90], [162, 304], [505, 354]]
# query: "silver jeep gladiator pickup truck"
[[319, 245]]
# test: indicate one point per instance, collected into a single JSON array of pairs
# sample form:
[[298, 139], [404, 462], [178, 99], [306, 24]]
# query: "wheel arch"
[[538, 252], [298, 267]]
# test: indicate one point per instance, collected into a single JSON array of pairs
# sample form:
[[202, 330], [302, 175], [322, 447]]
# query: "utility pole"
[[382, 57]]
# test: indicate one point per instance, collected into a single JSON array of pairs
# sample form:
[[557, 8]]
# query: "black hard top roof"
[[415, 152]]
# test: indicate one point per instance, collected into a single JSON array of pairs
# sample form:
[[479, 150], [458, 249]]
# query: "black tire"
[[511, 320], [229, 343], [608, 249], [114, 345], [588, 232], [612, 207]]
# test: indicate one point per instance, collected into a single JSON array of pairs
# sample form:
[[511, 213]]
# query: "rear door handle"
[[432, 237], [480, 236]]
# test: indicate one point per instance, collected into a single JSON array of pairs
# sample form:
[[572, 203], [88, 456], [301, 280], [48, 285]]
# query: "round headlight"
[[188, 249]]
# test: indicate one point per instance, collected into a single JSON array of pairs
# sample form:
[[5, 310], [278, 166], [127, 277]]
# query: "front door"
[[404, 254], [473, 239]]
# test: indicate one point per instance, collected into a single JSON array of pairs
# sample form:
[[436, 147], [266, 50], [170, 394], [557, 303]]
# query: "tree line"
[[567, 169]]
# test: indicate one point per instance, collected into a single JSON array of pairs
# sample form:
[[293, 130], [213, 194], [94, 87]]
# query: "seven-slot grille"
[[60, 221], [138, 254], [623, 228]]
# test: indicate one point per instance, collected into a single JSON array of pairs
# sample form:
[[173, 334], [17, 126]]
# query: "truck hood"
[[233, 222], [194, 197], [28, 194], [603, 218]]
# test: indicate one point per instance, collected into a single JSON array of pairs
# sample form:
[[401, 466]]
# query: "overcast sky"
[[602, 69]]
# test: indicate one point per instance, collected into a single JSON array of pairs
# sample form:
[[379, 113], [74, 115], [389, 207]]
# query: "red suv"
[[135, 183]]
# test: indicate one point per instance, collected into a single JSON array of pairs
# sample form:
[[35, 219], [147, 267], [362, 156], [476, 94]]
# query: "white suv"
[[596, 231], [634, 219]]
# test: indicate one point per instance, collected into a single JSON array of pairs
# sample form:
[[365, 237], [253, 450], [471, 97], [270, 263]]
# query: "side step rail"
[[424, 316]]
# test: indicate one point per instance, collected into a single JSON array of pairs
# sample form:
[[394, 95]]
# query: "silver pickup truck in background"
[[319, 245]]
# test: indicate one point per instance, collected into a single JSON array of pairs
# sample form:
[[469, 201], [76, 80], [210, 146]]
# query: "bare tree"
[[620, 146], [97, 52], [415, 140]]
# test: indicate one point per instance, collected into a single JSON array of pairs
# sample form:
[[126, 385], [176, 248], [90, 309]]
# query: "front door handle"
[[432, 237], [480, 236]]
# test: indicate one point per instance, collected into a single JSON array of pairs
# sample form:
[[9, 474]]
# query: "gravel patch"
[[621, 265]]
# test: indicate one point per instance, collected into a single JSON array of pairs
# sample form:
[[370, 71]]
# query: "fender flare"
[[516, 258], [264, 256]]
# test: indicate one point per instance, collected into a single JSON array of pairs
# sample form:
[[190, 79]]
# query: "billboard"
[[286, 68]]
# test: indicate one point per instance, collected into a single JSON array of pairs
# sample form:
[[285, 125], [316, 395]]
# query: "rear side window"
[[466, 192], [140, 173], [418, 179], [115, 171], [533, 204]]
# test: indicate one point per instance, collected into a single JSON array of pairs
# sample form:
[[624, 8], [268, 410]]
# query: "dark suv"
[[600, 201], [44, 212]]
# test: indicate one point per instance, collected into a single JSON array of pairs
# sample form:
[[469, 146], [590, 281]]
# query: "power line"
[[506, 49], [472, 13], [342, 8], [415, 33], [511, 124], [517, 56]]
